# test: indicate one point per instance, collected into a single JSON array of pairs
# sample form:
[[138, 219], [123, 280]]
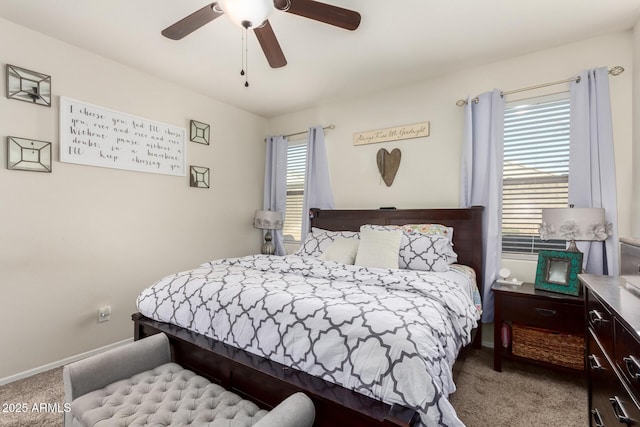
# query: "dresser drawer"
[[602, 384], [611, 403], [602, 380], [599, 319], [627, 356], [547, 314], [615, 408]]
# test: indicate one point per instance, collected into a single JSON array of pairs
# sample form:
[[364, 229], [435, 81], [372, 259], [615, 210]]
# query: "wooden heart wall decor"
[[388, 164]]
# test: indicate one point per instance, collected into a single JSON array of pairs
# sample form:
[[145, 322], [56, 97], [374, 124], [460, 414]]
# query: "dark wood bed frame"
[[267, 383]]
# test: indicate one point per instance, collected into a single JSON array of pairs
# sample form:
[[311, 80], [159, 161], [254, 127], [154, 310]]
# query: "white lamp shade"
[[247, 13], [268, 220], [574, 224]]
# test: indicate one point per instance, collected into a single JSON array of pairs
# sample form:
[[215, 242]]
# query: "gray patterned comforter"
[[390, 334]]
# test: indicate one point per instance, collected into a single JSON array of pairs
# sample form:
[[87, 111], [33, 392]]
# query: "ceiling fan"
[[253, 14]]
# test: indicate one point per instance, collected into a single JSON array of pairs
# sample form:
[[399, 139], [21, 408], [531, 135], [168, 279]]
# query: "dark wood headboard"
[[466, 223]]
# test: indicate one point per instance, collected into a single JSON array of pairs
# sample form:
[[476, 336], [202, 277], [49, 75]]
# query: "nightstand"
[[546, 328]]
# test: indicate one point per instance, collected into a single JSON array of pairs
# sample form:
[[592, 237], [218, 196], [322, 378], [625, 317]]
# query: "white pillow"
[[378, 248], [426, 249], [342, 250]]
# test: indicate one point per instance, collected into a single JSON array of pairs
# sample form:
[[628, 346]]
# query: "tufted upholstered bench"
[[138, 385]]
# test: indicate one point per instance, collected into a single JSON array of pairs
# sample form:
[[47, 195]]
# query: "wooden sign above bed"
[[97, 136], [417, 130]]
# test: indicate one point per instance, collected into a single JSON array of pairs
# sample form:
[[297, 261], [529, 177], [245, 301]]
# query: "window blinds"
[[536, 172], [296, 165]]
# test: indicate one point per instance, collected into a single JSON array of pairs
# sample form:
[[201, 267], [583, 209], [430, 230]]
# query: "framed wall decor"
[[29, 86], [199, 132], [93, 135], [558, 271], [28, 154], [198, 177], [417, 130]]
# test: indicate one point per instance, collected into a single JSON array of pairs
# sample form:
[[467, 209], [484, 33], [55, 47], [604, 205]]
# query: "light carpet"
[[520, 396]]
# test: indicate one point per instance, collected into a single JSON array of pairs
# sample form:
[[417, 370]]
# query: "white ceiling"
[[398, 42]]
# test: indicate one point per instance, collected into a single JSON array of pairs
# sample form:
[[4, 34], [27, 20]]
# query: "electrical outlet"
[[104, 313]]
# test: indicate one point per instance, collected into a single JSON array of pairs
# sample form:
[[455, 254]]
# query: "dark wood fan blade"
[[270, 45], [332, 15], [188, 25]]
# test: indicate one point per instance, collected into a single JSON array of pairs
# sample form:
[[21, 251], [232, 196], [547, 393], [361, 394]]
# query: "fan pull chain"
[[242, 53], [245, 62]]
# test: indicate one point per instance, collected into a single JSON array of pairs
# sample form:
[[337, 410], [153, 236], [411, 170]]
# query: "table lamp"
[[268, 220], [573, 224]]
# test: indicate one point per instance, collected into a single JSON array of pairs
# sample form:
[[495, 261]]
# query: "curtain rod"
[[615, 71], [332, 126]]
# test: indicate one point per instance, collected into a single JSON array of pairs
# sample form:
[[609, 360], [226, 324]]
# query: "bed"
[[307, 352]]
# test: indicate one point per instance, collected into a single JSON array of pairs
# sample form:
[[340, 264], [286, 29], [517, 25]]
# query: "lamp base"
[[267, 246], [572, 246]]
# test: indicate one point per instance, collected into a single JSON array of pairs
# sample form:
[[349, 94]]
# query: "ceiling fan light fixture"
[[247, 13]]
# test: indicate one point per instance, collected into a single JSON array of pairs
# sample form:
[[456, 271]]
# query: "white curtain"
[[275, 184], [481, 180], [592, 173], [317, 184]]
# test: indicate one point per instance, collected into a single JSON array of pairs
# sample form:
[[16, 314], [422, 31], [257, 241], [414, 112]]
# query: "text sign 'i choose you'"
[[97, 136]]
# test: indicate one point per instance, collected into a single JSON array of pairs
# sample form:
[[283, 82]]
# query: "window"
[[536, 170], [296, 165]]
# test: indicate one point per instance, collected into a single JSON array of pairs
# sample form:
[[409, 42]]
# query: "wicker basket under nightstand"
[[547, 346]]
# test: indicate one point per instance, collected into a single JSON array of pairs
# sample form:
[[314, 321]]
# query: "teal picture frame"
[[558, 271]]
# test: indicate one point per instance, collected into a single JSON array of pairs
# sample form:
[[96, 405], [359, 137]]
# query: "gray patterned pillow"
[[435, 230], [424, 252], [319, 240]]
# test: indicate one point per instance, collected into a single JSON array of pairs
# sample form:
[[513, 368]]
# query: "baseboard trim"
[[62, 362]]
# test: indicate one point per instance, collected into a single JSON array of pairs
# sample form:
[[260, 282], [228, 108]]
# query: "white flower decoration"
[[609, 228], [598, 231], [570, 230], [546, 231]]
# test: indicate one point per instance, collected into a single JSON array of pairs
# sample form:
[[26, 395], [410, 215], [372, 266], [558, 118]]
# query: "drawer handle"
[[596, 318], [594, 363], [619, 411], [546, 311], [633, 367], [597, 419]]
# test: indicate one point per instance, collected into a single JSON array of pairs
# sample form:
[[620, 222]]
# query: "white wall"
[[82, 237], [429, 171]]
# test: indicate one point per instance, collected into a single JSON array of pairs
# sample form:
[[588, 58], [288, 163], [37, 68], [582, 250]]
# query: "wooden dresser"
[[613, 350]]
